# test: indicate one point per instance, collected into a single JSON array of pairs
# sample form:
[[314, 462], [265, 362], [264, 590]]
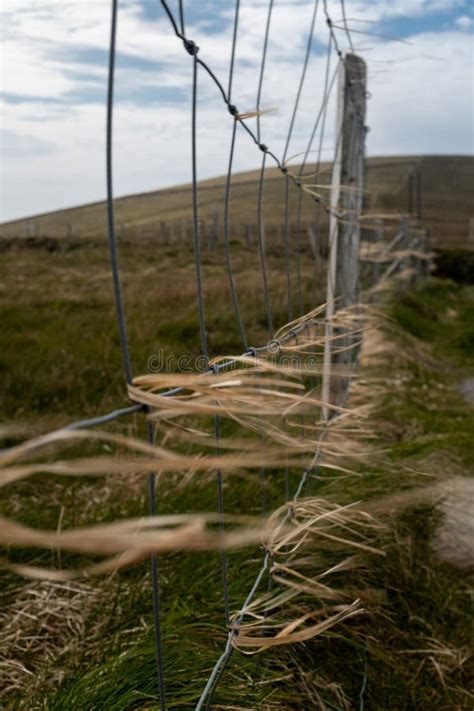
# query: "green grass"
[[60, 359], [60, 352], [441, 316]]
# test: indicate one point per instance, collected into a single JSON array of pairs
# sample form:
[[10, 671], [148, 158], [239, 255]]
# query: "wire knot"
[[263, 147], [274, 345], [190, 47], [252, 351], [284, 170], [232, 109]]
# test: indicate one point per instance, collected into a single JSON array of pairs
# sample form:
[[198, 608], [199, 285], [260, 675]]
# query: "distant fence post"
[[215, 226], [419, 199], [414, 194], [344, 228], [184, 231], [314, 243], [379, 232], [248, 236]]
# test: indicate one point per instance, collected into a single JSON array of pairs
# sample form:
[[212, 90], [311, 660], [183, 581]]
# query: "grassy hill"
[[90, 644], [446, 204]]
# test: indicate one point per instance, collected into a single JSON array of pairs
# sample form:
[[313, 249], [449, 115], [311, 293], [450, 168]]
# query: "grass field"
[[89, 644], [447, 204]]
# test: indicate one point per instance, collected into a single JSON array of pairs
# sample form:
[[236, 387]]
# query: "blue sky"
[[54, 60]]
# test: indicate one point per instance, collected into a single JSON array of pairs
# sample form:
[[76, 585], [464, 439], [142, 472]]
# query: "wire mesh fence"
[[315, 223]]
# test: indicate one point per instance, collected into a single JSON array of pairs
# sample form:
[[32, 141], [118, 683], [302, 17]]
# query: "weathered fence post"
[[344, 227]]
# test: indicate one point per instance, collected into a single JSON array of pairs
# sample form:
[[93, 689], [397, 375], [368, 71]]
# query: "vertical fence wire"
[[124, 339], [196, 222], [285, 153], [346, 26], [228, 256], [260, 222], [114, 260], [320, 119], [220, 511], [202, 318], [328, 86], [262, 66], [261, 248], [302, 78], [299, 286], [234, 45], [155, 589], [328, 89], [288, 248]]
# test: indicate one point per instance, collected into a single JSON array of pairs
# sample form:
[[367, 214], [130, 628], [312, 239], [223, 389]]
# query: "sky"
[[54, 55]]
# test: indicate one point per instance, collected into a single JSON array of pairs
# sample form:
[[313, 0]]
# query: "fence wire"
[[309, 186], [290, 179]]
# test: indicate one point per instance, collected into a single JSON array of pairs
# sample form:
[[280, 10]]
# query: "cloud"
[[464, 22], [55, 71]]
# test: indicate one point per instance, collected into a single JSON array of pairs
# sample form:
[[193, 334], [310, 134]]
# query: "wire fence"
[[337, 217]]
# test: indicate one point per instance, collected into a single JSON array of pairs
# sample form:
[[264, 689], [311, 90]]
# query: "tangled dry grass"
[[40, 621]]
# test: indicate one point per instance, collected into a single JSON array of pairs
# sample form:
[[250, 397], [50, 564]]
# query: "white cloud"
[[464, 22], [420, 101]]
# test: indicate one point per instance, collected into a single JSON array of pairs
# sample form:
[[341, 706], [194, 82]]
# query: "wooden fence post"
[[344, 229]]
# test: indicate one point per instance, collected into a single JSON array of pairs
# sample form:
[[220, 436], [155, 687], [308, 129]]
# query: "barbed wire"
[[192, 48]]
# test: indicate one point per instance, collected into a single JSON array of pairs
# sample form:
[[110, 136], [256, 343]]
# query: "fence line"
[[349, 147]]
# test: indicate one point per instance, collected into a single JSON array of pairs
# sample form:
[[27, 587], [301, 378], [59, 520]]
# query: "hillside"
[[90, 644], [445, 204]]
